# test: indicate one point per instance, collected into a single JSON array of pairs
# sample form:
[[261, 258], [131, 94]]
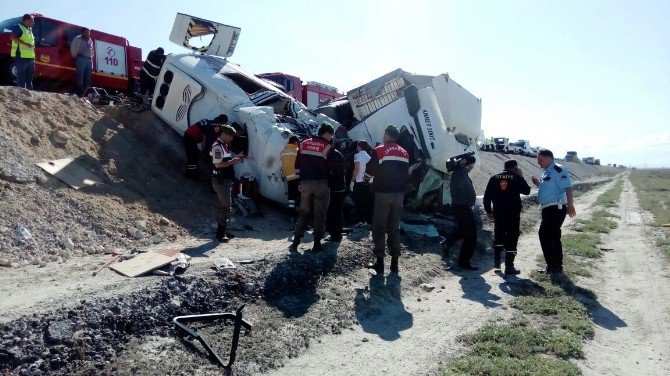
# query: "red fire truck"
[[311, 94], [116, 64]]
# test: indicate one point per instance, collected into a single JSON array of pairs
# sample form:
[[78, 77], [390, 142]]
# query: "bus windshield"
[[6, 25]]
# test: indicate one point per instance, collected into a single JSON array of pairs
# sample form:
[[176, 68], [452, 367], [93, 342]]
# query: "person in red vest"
[[205, 131], [389, 184], [315, 161]]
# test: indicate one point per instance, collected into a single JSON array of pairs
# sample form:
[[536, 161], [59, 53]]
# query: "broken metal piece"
[[239, 322]]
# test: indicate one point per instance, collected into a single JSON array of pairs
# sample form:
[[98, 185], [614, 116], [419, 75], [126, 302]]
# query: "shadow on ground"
[[380, 310], [291, 285]]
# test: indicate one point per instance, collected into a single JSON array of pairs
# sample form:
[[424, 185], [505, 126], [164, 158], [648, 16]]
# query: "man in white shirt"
[[360, 186]]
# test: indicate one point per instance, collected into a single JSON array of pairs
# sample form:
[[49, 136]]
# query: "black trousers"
[[293, 193], [191, 149], [550, 236], [466, 230], [506, 231], [364, 201], [147, 84], [334, 215]]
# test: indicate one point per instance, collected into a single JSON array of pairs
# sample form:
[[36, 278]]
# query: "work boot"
[[192, 175], [378, 266], [509, 264], [294, 244], [221, 234], [394, 264], [446, 244], [497, 256], [317, 247]]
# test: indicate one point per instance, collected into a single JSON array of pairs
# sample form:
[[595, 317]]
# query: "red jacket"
[[393, 169]]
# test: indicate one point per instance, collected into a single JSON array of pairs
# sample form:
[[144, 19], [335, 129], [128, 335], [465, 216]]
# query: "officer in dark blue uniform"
[[555, 197], [503, 191]]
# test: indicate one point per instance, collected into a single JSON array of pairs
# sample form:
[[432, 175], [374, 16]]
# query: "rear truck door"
[[110, 61], [204, 36], [46, 49]]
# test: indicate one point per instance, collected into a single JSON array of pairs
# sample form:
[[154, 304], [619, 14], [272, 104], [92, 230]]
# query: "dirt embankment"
[[141, 175]]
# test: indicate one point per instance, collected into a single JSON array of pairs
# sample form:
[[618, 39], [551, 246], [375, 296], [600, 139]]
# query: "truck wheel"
[[8, 73]]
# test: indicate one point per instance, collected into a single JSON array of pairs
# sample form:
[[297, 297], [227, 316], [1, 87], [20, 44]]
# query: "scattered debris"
[[25, 233], [239, 322], [163, 221], [424, 230], [427, 287], [74, 172], [59, 137], [224, 263], [142, 263]]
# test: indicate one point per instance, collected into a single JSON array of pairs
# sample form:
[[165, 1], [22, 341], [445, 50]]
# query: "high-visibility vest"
[[287, 158], [26, 37]]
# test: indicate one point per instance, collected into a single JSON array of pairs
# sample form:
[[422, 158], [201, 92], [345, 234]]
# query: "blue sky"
[[590, 76]]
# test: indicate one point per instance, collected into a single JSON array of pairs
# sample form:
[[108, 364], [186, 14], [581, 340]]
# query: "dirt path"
[[410, 337], [632, 332]]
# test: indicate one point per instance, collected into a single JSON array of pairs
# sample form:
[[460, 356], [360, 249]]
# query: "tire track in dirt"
[[632, 332]]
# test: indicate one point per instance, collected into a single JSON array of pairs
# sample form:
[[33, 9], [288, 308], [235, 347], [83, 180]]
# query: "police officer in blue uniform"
[[556, 200], [503, 192]]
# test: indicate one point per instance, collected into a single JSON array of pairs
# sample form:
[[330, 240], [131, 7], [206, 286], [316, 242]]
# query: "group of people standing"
[[320, 173], [316, 176], [502, 203]]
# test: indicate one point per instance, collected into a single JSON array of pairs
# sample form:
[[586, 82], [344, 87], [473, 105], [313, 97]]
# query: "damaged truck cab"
[[192, 87], [439, 120]]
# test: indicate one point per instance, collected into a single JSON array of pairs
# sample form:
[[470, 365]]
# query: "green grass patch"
[[583, 245], [664, 245], [494, 340], [597, 224], [653, 191], [504, 366], [611, 197]]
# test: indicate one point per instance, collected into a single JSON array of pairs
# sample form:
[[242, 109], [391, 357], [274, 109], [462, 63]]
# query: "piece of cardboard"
[[142, 263], [223, 263], [75, 172]]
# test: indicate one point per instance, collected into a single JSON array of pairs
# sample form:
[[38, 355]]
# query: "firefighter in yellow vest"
[[287, 157], [23, 51]]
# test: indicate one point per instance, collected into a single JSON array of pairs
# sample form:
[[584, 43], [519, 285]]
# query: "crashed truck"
[[438, 119]]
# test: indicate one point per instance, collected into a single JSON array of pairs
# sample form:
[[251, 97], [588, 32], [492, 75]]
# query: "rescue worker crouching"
[[223, 178], [206, 131], [315, 161], [503, 190], [292, 175]]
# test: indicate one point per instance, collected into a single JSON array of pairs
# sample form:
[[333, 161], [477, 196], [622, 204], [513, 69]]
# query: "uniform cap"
[[510, 164], [227, 129], [326, 128], [392, 131]]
